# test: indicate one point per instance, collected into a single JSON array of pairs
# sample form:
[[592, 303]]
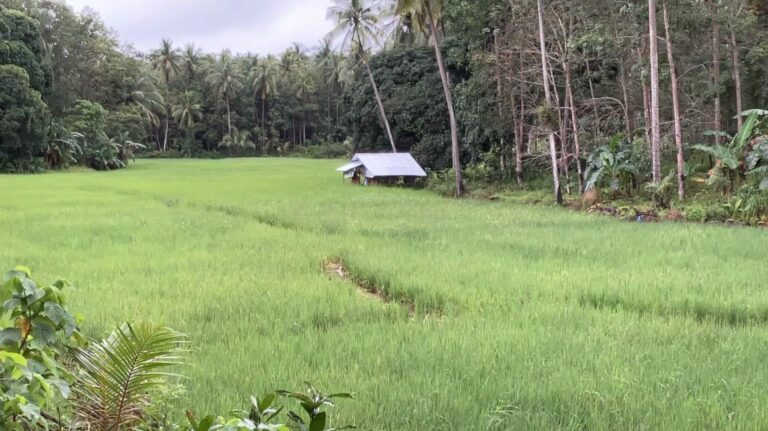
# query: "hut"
[[384, 168]]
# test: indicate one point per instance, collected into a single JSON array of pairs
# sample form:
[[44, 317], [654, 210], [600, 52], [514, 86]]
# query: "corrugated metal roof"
[[389, 165], [349, 166]]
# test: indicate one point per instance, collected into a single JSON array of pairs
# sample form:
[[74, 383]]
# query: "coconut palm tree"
[[264, 78], [225, 78], [143, 93], [427, 16], [238, 139], [357, 23], [192, 60], [187, 111], [166, 61]]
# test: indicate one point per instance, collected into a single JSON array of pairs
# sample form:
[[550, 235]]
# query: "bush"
[[696, 214]]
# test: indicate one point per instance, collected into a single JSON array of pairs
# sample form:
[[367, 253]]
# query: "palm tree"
[[187, 111], [548, 102], [225, 78], [357, 23], [264, 79], [166, 62], [427, 16], [119, 373], [143, 93], [238, 139], [192, 61]]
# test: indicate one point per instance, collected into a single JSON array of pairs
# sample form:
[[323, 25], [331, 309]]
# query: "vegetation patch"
[[372, 288], [723, 314]]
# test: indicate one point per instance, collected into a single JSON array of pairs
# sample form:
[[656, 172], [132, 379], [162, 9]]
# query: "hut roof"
[[386, 165]]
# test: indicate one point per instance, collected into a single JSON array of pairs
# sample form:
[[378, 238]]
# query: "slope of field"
[[523, 317]]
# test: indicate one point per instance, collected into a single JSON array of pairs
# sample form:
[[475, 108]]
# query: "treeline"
[[93, 101], [580, 89]]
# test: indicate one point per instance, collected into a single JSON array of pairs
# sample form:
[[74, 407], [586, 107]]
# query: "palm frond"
[[120, 374]]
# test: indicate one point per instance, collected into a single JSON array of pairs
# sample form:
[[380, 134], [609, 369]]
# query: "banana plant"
[[744, 157]]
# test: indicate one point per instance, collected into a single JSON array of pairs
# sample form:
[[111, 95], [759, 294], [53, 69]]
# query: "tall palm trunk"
[[455, 150], [655, 117], [229, 114], [574, 124], [736, 70], [548, 100], [675, 106], [381, 106], [167, 126], [716, 78]]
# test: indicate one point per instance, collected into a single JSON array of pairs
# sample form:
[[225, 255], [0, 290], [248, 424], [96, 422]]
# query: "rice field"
[[519, 317]]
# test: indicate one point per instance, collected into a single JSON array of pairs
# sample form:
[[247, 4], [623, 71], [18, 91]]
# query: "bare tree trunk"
[[716, 79], [167, 126], [519, 167], [675, 107], [628, 114], [229, 115], [381, 106], [647, 111], [548, 101], [595, 128], [736, 70], [455, 150], [655, 120], [500, 92], [574, 123]]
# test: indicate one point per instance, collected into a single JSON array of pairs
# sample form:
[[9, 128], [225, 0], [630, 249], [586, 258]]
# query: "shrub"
[[696, 214]]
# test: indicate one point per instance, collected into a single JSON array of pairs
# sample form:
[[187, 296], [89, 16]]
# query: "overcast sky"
[[257, 26]]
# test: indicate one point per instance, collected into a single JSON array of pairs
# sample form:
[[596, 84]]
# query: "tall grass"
[[548, 319]]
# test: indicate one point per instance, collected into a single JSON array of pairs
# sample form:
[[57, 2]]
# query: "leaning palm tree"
[[144, 94], [427, 16], [187, 111], [120, 374], [357, 23], [225, 79], [265, 76], [166, 61]]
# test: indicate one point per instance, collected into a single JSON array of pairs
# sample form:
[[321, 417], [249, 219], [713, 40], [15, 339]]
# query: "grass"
[[548, 319]]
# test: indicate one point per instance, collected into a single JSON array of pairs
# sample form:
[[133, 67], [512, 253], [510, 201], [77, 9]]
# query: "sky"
[[256, 26]]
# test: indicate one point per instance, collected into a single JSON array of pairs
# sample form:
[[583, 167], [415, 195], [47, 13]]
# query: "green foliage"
[[614, 165], [37, 332], [746, 156], [119, 375], [662, 193], [24, 121], [313, 402]]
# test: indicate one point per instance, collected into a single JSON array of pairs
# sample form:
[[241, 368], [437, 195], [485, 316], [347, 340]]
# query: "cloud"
[[258, 26]]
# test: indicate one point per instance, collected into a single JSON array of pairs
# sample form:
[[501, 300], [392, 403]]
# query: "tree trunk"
[[229, 115], [716, 79], [675, 107], [628, 121], [647, 111], [548, 101], [655, 120], [167, 126], [381, 106], [455, 150], [519, 148], [574, 123], [500, 93], [736, 70], [595, 128]]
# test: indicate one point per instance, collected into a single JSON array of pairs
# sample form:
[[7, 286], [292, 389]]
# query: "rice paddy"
[[489, 315]]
